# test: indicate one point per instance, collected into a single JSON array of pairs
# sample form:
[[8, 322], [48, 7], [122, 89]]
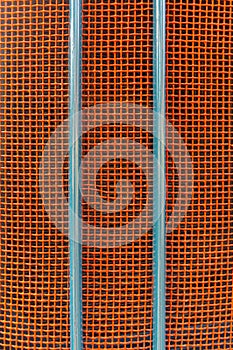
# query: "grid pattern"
[[34, 301], [116, 67], [199, 105]]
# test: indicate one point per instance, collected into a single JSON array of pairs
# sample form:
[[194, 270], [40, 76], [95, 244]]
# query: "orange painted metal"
[[34, 255], [116, 67], [199, 105]]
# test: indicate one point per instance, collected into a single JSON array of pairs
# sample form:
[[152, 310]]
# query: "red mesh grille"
[[117, 67], [34, 255], [199, 105]]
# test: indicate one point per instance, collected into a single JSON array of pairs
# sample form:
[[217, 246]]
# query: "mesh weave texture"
[[117, 282], [34, 301], [199, 105], [116, 67]]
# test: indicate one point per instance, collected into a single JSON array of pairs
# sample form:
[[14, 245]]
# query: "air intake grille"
[[34, 255], [199, 105], [116, 68]]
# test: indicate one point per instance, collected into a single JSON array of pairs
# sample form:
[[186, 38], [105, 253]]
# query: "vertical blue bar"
[[74, 199], [159, 183], [159, 177]]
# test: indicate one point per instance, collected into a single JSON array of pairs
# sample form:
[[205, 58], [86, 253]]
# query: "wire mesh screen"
[[116, 70], [34, 301], [117, 278], [199, 105]]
